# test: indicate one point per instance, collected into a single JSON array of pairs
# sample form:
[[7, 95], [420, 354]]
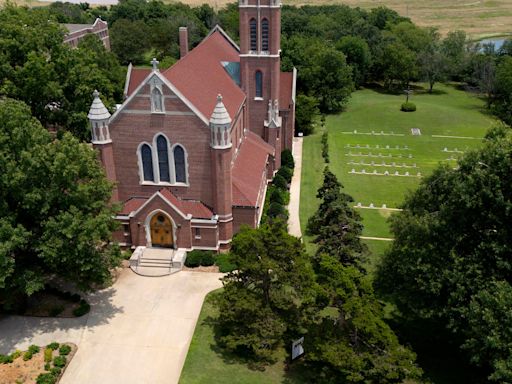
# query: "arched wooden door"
[[161, 231]]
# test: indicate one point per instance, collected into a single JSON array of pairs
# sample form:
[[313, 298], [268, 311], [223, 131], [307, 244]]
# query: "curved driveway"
[[138, 331]]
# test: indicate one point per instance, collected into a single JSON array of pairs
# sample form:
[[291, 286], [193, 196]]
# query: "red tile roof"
[[285, 90], [200, 76], [250, 164], [195, 208], [137, 75], [132, 204]]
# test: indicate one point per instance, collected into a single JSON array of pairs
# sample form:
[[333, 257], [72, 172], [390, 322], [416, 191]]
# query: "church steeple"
[[260, 62]]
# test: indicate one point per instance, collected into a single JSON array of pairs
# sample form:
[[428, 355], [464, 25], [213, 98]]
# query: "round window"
[[161, 218]]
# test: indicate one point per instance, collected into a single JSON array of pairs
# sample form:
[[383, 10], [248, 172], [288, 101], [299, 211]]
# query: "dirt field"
[[480, 18]]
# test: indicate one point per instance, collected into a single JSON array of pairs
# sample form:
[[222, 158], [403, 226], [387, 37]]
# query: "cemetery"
[[380, 154]]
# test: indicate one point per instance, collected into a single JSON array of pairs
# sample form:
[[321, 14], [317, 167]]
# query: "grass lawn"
[[391, 148], [207, 363]]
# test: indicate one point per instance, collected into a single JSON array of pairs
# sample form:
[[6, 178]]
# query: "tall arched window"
[[258, 77], [147, 162], [163, 158], [253, 35], [156, 100], [264, 35], [179, 163]]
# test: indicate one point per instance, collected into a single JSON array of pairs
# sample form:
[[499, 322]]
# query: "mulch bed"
[[26, 372]]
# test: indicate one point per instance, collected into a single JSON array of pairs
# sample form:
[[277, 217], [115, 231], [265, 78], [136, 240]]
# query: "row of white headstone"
[[373, 133], [377, 146], [384, 164], [359, 205], [452, 151], [386, 173], [380, 155]]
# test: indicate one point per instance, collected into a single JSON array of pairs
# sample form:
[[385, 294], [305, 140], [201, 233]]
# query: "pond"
[[498, 42]]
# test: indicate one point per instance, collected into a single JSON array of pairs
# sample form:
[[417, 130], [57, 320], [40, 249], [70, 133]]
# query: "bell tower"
[[260, 48]]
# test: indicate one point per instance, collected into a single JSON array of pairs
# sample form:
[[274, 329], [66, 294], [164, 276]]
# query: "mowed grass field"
[[375, 136], [206, 363]]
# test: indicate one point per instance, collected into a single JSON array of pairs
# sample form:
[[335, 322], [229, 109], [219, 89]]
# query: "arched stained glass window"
[[147, 162], [264, 35], [258, 77], [163, 158], [179, 163], [253, 35]]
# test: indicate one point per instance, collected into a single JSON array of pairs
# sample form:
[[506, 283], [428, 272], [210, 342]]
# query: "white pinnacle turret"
[[220, 115], [220, 126], [98, 111]]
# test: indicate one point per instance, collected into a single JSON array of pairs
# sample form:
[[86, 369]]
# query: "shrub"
[[33, 349], [46, 378], [275, 209], [325, 147], [59, 361], [82, 309], [47, 366], [286, 172], [276, 196], [56, 310], [27, 356], [193, 259], [223, 261], [208, 258], [53, 346], [287, 159], [6, 359], [48, 355], [408, 107], [56, 371], [280, 182], [64, 350], [17, 353]]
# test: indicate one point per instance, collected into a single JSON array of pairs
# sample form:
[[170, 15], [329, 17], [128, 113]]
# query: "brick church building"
[[192, 148]]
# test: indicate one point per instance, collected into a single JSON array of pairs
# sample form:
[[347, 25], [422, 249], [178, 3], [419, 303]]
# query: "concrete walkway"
[[138, 331], [293, 207]]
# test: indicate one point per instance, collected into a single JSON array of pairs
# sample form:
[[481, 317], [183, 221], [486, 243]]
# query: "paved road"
[[293, 207], [138, 331]]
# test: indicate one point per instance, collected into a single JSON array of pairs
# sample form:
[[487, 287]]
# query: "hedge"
[[408, 107]]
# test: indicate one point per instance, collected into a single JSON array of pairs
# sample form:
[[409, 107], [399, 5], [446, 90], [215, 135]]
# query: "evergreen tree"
[[349, 342], [264, 303], [336, 225]]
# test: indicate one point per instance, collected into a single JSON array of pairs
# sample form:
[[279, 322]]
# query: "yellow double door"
[[161, 231]]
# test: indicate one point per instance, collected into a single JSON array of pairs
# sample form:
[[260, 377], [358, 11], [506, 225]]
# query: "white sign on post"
[[297, 348]]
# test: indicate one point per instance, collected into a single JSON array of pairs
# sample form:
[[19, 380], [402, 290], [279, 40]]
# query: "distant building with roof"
[[77, 32], [192, 148]]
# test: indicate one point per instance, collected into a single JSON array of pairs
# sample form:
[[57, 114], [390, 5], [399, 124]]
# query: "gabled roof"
[[187, 208], [134, 77], [200, 75], [286, 90], [250, 164]]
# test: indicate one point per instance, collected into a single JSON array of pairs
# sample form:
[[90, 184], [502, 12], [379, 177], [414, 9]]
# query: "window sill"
[[258, 98], [158, 112], [165, 184], [197, 237]]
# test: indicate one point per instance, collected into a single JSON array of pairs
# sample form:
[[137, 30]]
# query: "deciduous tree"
[[452, 252], [55, 218]]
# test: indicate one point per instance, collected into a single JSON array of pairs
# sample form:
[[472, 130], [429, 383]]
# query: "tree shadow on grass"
[[294, 373], [438, 354]]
